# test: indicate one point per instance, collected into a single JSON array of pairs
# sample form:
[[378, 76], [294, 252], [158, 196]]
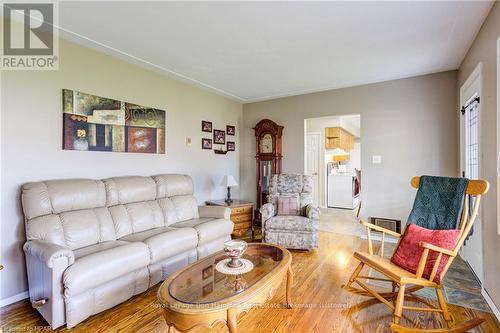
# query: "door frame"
[[318, 158], [475, 75]]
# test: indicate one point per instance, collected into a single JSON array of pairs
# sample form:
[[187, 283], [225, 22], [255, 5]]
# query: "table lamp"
[[228, 181]]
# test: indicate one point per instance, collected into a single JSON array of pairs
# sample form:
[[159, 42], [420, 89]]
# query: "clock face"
[[266, 144]]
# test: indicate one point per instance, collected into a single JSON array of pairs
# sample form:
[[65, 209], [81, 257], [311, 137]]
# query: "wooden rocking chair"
[[408, 282]]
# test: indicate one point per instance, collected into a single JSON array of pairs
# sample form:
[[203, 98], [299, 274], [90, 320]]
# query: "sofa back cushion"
[[124, 190], [132, 204], [175, 195], [82, 212], [170, 185], [69, 212], [186, 207], [57, 196], [168, 210]]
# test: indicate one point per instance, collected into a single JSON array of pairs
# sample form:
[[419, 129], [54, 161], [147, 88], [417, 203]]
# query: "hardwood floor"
[[321, 306]]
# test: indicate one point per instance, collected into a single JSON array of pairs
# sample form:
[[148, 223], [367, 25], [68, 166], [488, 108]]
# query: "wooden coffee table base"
[[183, 318]]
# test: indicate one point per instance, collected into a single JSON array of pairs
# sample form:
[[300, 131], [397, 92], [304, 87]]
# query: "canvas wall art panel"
[[95, 123]]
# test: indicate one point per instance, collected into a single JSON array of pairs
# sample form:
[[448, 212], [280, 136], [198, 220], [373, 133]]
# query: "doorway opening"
[[332, 157]]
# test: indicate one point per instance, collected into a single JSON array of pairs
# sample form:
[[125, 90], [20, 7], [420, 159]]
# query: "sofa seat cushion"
[[292, 223], [208, 229], [87, 250], [192, 222], [97, 268], [143, 235], [166, 242]]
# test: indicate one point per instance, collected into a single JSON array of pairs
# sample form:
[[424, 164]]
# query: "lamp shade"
[[228, 181]]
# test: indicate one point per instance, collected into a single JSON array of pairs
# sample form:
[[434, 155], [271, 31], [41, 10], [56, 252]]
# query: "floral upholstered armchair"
[[297, 231]]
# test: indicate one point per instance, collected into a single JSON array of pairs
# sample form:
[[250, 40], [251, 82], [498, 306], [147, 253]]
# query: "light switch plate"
[[376, 159], [188, 141]]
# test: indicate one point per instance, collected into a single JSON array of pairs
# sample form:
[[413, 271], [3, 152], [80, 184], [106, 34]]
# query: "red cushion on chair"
[[409, 251]]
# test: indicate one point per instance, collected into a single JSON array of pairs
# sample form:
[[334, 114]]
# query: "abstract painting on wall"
[[102, 124]]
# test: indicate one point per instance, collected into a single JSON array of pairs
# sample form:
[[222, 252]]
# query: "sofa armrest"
[[47, 252], [45, 264], [219, 212], [267, 211], [312, 212]]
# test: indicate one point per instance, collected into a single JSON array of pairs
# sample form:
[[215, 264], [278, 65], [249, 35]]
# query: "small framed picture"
[[231, 130], [219, 137], [206, 126], [231, 146], [206, 143], [207, 272]]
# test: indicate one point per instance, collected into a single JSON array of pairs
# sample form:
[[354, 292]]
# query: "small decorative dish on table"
[[234, 265]]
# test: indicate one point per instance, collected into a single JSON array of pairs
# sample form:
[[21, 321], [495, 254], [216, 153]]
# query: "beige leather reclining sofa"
[[92, 244]]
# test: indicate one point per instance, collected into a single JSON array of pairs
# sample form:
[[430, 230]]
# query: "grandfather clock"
[[267, 159]]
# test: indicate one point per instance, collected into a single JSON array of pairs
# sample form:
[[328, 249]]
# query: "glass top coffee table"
[[199, 295]]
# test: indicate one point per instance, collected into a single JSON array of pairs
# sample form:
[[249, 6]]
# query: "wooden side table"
[[241, 215]]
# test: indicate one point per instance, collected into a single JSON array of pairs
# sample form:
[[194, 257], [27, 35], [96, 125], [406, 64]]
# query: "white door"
[[470, 153], [312, 162]]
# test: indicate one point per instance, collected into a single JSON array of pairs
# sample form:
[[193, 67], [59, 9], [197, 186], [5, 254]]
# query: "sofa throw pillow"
[[288, 206], [409, 251]]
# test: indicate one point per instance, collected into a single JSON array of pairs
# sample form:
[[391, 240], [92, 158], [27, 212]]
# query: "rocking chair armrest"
[[425, 254], [379, 228], [437, 249]]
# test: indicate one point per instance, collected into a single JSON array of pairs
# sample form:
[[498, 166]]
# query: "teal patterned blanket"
[[439, 202]]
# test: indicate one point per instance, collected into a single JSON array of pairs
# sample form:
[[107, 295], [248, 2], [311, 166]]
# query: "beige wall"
[[484, 50], [31, 136], [411, 122]]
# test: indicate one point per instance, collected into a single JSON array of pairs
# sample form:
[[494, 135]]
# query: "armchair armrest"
[[267, 211], [312, 212], [47, 252], [219, 212]]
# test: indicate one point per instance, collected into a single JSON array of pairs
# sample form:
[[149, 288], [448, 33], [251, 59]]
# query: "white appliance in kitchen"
[[343, 191]]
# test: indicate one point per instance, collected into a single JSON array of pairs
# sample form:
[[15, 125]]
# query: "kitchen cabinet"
[[338, 138]]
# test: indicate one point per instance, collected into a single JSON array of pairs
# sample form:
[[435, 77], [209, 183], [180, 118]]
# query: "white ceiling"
[[252, 51]]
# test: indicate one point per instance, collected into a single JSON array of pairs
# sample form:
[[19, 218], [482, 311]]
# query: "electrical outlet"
[[376, 159]]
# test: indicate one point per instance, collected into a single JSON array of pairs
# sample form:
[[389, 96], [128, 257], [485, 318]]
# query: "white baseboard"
[[490, 303], [14, 299]]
